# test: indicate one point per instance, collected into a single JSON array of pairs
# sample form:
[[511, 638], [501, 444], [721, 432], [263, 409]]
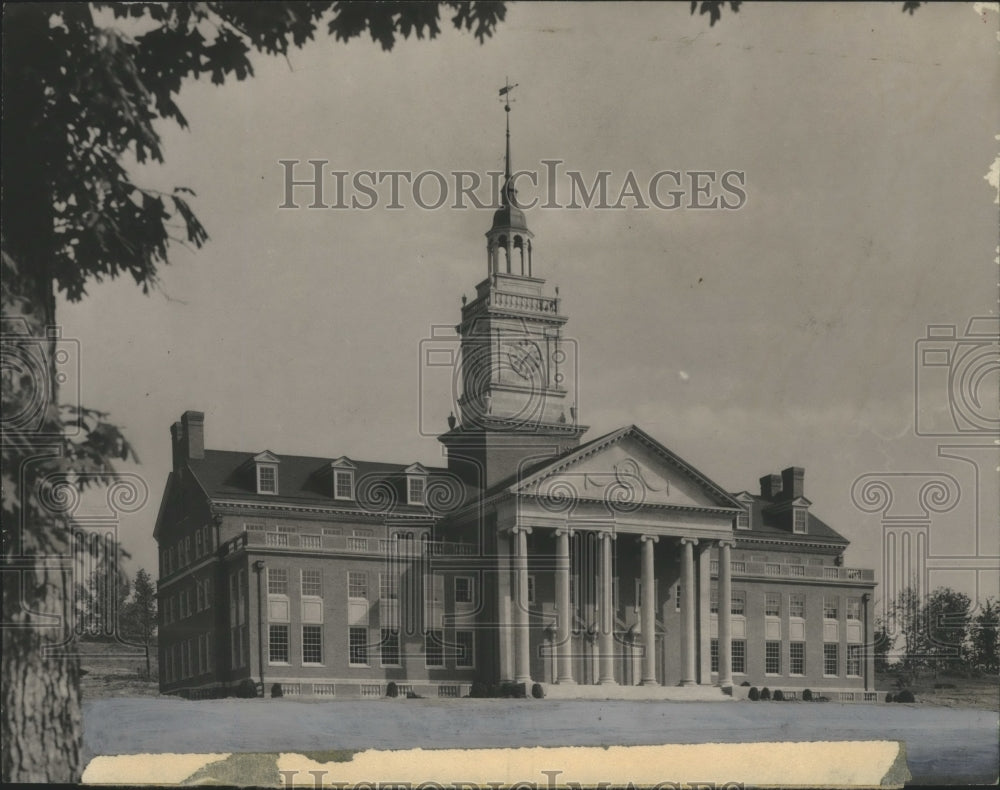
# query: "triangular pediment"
[[626, 466], [416, 469], [266, 457]]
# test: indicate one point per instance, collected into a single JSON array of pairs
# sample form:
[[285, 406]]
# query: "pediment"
[[266, 457], [628, 468]]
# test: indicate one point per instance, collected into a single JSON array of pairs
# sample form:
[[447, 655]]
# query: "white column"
[[607, 632], [506, 630], [688, 611], [704, 613], [725, 616], [648, 613], [522, 657], [564, 609]]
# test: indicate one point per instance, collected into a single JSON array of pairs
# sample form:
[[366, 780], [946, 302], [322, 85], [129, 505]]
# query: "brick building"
[[529, 557]]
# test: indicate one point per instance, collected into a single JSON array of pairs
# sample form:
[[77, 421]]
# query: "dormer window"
[[799, 520], [743, 520], [266, 472], [416, 484], [267, 479], [343, 479]]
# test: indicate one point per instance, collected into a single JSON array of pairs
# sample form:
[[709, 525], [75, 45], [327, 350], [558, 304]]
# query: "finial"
[[507, 194], [464, 298]]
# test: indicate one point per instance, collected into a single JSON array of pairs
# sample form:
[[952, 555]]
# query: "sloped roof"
[[307, 480], [766, 524]]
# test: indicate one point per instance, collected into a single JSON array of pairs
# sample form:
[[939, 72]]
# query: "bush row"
[[505, 690]]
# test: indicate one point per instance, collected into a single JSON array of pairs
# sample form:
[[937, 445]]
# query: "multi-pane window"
[[713, 597], [772, 604], [465, 642], [853, 608], [830, 607], [796, 605], [277, 581], [739, 603], [357, 584], [830, 658], [463, 589], [531, 589], [312, 644], [799, 524], [267, 480], [743, 520], [739, 655], [416, 490], [433, 649], [199, 603], [854, 660], [278, 644], [714, 652], [677, 598], [312, 583], [388, 586], [772, 658], [343, 484], [197, 543], [357, 644], [389, 647], [797, 658]]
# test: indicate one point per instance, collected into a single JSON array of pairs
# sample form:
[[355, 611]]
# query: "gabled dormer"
[[742, 519], [343, 473], [416, 484], [266, 472]]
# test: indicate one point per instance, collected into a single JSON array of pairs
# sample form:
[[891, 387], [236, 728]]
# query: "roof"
[[307, 480], [766, 524]]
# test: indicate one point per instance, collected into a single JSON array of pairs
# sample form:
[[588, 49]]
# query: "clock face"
[[523, 358]]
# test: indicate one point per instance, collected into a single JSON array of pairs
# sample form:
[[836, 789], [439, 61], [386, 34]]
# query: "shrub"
[[889, 697], [277, 691], [479, 689], [520, 691], [779, 695], [753, 695], [506, 690], [537, 691], [765, 693], [391, 689], [413, 695], [807, 695], [745, 683], [247, 689], [905, 696]]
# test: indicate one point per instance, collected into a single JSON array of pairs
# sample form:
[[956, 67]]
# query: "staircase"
[[668, 693]]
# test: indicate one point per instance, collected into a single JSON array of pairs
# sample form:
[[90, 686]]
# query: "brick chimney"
[[770, 487], [792, 482], [193, 441]]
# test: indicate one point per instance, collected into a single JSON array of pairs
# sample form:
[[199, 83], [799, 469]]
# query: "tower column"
[[648, 611], [725, 615], [607, 631], [688, 611], [522, 656], [565, 609]]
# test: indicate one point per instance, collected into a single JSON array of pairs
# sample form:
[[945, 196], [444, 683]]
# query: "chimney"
[[770, 486], [792, 482], [177, 444], [193, 426]]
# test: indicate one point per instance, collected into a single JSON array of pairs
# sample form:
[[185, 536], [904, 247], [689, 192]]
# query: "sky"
[[784, 332]]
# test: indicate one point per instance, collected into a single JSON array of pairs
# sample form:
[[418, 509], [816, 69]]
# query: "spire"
[[508, 195]]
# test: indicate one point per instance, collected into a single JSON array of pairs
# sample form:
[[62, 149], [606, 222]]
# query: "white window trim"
[[302, 633], [288, 630], [350, 663], [399, 651], [441, 647], [472, 591], [350, 477], [260, 468], [410, 480], [364, 597]]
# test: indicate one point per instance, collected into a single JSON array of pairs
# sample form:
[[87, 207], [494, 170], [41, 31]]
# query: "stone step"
[[679, 693]]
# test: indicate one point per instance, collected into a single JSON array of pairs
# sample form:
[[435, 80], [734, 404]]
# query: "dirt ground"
[[955, 692]]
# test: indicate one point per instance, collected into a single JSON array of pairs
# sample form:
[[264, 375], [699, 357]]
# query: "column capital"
[[726, 542], [519, 528], [649, 538], [567, 531], [692, 541]]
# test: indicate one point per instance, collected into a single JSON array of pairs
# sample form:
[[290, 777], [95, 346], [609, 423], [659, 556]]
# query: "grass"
[[978, 691], [109, 669]]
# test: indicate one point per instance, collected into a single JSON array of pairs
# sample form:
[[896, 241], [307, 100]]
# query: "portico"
[[600, 549]]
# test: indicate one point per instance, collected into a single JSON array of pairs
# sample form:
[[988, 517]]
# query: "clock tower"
[[515, 407]]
